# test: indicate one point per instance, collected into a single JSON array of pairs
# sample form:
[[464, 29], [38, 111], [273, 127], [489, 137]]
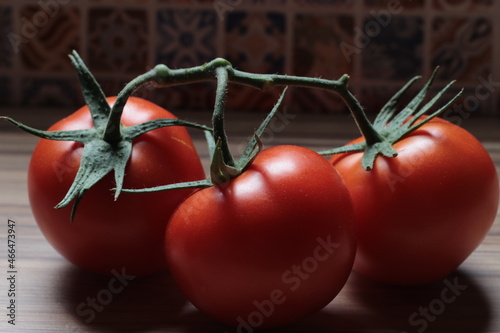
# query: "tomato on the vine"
[[269, 246], [422, 213], [106, 234]]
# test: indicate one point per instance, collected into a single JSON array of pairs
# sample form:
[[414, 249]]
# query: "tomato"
[[267, 247], [421, 214], [106, 234]]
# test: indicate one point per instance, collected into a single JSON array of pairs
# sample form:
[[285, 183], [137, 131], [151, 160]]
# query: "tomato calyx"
[[389, 127], [108, 144]]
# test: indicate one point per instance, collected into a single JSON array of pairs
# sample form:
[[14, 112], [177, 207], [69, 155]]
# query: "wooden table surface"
[[48, 289]]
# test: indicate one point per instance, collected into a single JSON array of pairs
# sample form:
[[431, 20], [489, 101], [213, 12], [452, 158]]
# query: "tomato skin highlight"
[[275, 243], [421, 214], [106, 234]]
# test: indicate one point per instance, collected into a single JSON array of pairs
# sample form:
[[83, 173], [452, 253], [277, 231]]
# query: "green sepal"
[[390, 108], [220, 171], [132, 132], [355, 147], [98, 159], [92, 93], [209, 138], [176, 186], [372, 151], [82, 136]]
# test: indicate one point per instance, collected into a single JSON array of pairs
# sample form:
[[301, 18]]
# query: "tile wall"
[[381, 44]]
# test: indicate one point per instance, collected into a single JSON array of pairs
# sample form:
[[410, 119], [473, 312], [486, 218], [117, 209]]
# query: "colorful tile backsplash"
[[380, 44]]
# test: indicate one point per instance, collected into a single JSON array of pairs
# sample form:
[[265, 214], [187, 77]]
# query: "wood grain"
[[49, 290]]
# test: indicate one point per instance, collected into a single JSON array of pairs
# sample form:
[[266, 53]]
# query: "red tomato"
[[111, 235], [267, 247], [421, 214]]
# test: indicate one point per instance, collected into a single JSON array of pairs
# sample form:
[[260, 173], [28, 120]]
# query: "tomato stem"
[[221, 70], [364, 125], [113, 132], [218, 115]]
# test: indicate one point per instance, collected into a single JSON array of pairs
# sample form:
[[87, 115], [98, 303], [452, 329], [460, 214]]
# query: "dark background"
[[381, 44]]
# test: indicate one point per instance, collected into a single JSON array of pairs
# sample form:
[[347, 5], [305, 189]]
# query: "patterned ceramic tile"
[[267, 2], [124, 1], [255, 42], [226, 5], [123, 38], [7, 37], [186, 37], [462, 47], [395, 4], [323, 2], [48, 37], [317, 51], [118, 40], [51, 93], [462, 5], [393, 51], [189, 2]]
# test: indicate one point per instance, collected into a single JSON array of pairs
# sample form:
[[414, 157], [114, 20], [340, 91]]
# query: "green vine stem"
[[379, 136], [164, 76], [221, 74], [111, 138]]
